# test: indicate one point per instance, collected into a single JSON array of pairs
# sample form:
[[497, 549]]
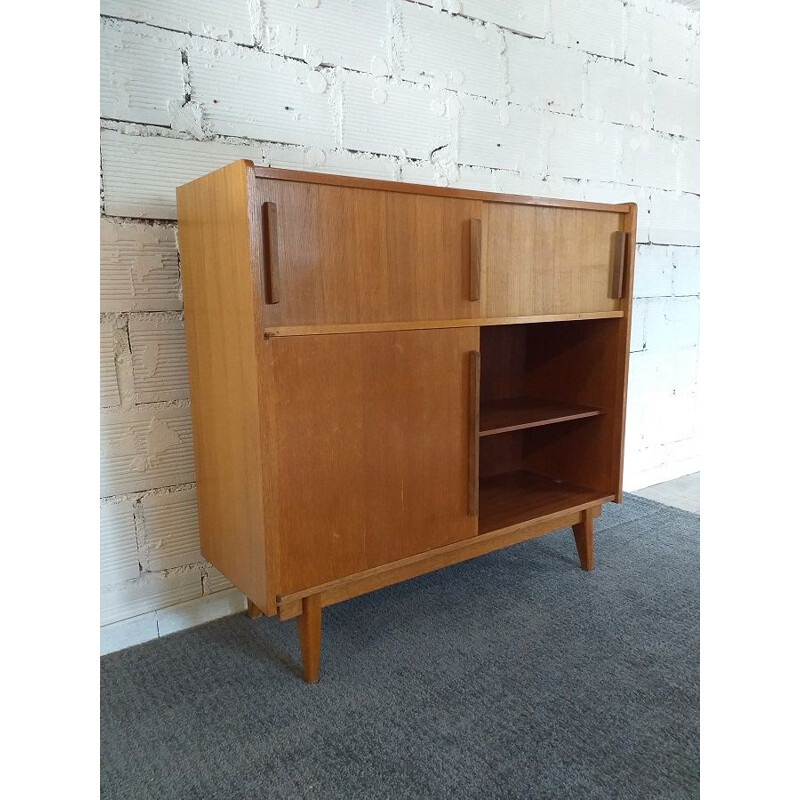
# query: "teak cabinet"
[[387, 379]]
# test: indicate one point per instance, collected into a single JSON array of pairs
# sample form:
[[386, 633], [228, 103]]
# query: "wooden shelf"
[[522, 496], [518, 413]]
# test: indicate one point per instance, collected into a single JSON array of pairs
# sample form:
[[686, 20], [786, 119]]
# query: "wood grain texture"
[[433, 191], [350, 256], [547, 261], [223, 329], [371, 449]]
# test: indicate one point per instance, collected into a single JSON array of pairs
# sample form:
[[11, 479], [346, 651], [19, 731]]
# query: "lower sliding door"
[[371, 449]]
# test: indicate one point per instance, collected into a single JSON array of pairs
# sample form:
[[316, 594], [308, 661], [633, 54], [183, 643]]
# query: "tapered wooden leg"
[[309, 629], [253, 611], [584, 539]]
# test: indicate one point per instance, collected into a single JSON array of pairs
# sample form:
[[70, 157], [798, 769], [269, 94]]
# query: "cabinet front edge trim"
[[366, 327]]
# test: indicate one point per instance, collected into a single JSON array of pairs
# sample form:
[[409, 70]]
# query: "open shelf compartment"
[[545, 432], [521, 496]]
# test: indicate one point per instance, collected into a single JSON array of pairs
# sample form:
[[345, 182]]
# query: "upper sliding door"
[[344, 255], [541, 260]]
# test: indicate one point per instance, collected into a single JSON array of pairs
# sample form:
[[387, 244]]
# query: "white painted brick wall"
[[529, 17], [503, 137], [243, 92], [621, 93], [342, 33], [597, 27], [674, 218], [654, 269], [119, 555], [677, 104], [649, 159], [689, 167], [109, 390], [140, 173], [158, 347], [686, 271], [583, 148], [145, 450], [583, 99], [433, 43], [141, 73], [171, 534], [545, 76], [671, 44], [149, 593], [138, 267], [228, 20], [396, 119]]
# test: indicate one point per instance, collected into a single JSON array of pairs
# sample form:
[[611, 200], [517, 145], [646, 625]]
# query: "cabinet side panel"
[[221, 337], [626, 304]]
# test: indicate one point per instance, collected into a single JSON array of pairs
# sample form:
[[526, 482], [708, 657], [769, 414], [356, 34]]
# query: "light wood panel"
[[371, 449], [223, 330], [548, 261], [349, 256]]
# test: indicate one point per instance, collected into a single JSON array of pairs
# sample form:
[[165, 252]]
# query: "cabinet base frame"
[[291, 606], [307, 606]]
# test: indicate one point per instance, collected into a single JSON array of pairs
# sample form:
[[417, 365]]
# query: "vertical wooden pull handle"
[[620, 259], [269, 228], [474, 430], [474, 259]]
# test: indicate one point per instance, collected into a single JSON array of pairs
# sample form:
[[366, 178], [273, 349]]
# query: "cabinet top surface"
[[272, 173]]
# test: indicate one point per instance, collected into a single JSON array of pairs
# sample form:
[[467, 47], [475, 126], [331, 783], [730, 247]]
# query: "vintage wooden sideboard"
[[387, 378]]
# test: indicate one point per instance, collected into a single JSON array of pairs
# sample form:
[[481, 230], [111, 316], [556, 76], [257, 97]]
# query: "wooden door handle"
[[474, 259], [269, 230], [474, 431], [620, 260]]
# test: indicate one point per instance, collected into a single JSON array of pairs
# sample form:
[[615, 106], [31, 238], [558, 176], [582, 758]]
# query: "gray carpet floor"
[[516, 675]]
